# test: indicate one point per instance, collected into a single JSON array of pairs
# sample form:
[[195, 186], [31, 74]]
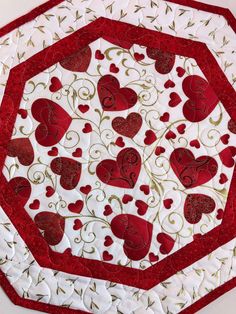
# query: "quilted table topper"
[[117, 156]]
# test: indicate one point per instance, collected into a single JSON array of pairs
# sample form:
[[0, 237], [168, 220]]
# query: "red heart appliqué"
[[128, 127], [22, 149], [136, 233], [114, 98], [167, 243], [123, 172], [202, 98], [197, 204], [17, 191], [54, 121], [53, 226], [55, 84], [69, 170], [79, 61], [190, 171], [164, 60]]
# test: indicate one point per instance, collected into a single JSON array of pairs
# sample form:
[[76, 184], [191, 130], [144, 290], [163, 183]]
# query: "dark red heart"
[[77, 152], [79, 61], [202, 98], [169, 84], [226, 156], [107, 210], [53, 152], [159, 150], [225, 139], [150, 137], [180, 71], [87, 128], [86, 189], [107, 256], [23, 113], [145, 189], [223, 178], [167, 243], [127, 198], [119, 142], [114, 68], [190, 171], [142, 207], [77, 224], [99, 55], [175, 100], [232, 126], [83, 108], [181, 128], [55, 84], [54, 121], [76, 207], [197, 204], [35, 204], [123, 172], [17, 191], [138, 56], [113, 97], [69, 170], [136, 233], [108, 241], [49, 191], [53, 226], [128, 127], [170, 135], [165, 117], [195, 143], [164, 60], [168, 202], [22, 149]]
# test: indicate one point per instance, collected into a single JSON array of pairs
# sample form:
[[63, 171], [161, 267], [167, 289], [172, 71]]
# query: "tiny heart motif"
[[86, 189], [159, 150], [180, 71], [17, 191], [53, 226], [79, 61], [153, 258], [108, 241], [220, 214], [22, 149], [190, 171], [114, 68], [167, 243], [181, 128], [87, 128], [107, 210], [142, 207], [168, 202], [23, 113], [127, 198], [128, 127], [35, 204], [123, 172], [77, 152], [55, 84], [53, 152], [120, 142], [223, 178], [77, 224], [165, 117], [136, 233], [170, 135], [195, 143], [175, 100], [113, 97], [232, 126], [83, 108], [99, 55], [68, 169], [164, 60], [169, 84], [150, 137], [107, 256], [226, 156], [138, 56], [225, 139], [145, 189], [54, 121], [202, 98], [76, 207], [49, 191], [197, 204]]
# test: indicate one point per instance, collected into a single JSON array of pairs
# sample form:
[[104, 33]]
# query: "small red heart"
[[99, 55], [226, 156], [145, 189], [150, 137], [114, 68], [76, 207], [78, 61], [153, 258], [49, 191], [225, 139], [138, 56], [83, 108], [175, 100], [108, 241], [195, 143], [167, 243], [55, 84], [35, 204], [181, 128], [108, 210], [23, 113], [22, 149], [87, 128], [86, 189], [232, 126], [180, 71], [119, 142], [168, 202], [142, 207], [169, 84], [170, 135], [165, 117], [77, 152], [77, 224], [107, 256], [53, 151], [220, 214], [128, 126], [127, 198], [159, 150], [223, 178]]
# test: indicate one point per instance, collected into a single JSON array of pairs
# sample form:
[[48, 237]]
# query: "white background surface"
[[10, 10]]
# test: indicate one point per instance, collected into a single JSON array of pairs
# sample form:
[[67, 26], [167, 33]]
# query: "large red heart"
[[202, 98], [68, 169], [136, 232], [164, 60], [197, 204], [128, 127], [123, 172], [54, 121], [79, 61], [114, 98], [22, 149], [53, 226], [190, 171], [17, 191]]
